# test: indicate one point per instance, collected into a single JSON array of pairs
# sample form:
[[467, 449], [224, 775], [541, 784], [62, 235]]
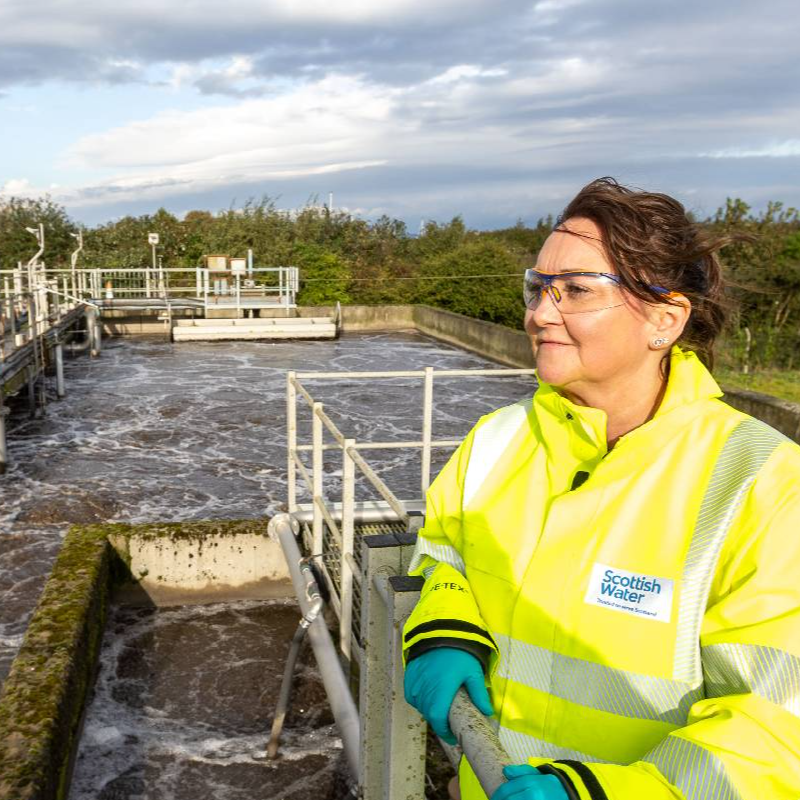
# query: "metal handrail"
[[342, 532]]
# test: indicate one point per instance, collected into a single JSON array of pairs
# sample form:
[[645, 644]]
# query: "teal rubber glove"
[[527, 783], [432, 680]]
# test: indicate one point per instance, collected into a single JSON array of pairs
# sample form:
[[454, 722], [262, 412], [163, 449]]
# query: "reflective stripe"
[[491, 439], [696, 772], [521, 747], [441, 552], [427, 572], [748, 447], [596, 686], [744, 668]]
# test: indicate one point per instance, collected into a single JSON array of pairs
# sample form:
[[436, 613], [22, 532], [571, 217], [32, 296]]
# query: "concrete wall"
[[42, 700], [202, 562], [366, 318], [496, 342], [780, 414]]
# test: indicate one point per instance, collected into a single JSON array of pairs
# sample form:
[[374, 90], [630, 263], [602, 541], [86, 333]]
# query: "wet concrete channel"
[[153, 432]]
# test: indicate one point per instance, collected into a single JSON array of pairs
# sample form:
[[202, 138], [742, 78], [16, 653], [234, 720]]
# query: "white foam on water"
[[153, 431]]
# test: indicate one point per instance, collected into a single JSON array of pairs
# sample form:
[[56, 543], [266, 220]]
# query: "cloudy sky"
[[420, 109]]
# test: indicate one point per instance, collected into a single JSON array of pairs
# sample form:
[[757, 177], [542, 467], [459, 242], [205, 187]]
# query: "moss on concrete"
[[174, 532], [43, 697], [44, 694]]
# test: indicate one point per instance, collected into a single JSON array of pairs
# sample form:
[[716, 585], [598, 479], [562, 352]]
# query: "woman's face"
[[593, 350]]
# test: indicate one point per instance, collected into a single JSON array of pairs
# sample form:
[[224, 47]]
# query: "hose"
[[315, 599]]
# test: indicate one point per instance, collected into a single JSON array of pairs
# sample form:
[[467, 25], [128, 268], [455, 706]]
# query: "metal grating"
[[331, 557]]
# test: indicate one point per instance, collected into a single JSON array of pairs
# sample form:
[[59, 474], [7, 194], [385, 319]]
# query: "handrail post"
[[427, 427], [348, 535], [316, 475], [406, 730], [379, 559], [291, 441]]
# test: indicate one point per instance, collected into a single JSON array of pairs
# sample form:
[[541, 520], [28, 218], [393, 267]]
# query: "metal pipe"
[[79, 347], [478, 740], [92, 330], [60, 389], [418, 373], [283, 527], [305, 448], [3, 443], [316, 603]]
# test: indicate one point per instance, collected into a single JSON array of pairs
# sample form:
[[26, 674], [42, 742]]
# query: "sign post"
[[152, 240]]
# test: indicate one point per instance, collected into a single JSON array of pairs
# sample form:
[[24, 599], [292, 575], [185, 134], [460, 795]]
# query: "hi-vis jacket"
[[642, 628]]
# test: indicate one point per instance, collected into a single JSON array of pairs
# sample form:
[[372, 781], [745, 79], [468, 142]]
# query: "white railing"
[[340, 518], [31, 302], [276, 285]]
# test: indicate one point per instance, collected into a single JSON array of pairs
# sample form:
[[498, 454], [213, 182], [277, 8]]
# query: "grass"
[[784, 384]]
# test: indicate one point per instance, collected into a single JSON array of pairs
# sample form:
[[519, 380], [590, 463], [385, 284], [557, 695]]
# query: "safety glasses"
[[575, 292]]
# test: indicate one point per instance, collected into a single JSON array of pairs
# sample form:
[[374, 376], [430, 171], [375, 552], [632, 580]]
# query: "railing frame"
[[354, 462]]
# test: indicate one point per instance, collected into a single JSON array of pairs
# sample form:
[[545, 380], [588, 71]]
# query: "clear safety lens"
[[573, 293]]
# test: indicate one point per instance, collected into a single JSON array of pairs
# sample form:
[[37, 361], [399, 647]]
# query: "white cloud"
[[335, 124], [786, 149], [89, 22], [462, 71]]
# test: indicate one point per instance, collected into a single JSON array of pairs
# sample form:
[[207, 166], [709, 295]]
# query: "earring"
[[659, 342]]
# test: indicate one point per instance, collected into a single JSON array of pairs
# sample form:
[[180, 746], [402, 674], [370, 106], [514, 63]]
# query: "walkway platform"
[[207, 330]]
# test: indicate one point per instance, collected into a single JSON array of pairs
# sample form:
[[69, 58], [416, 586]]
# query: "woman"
[[617, 559]]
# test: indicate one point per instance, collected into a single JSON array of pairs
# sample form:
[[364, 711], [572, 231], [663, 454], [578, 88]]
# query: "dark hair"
[[651, 241]]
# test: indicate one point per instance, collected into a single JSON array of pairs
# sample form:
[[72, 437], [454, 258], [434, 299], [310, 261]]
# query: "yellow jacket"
[[641, 630]]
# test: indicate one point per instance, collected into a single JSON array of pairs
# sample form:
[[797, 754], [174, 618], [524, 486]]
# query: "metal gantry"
[[38, 310]]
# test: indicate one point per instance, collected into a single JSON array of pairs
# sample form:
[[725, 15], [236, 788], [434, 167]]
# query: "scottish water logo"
[[646, 596]]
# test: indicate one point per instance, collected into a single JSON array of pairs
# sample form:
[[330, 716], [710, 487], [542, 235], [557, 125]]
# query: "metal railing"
[[276, 286], [391, 735], [337, 542], [32, 302]]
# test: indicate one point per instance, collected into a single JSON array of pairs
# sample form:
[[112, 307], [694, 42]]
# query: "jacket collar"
[[581, 430]]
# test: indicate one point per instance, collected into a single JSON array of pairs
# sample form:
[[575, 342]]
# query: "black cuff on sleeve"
[[481, 651], [566, 784], [588, 777]]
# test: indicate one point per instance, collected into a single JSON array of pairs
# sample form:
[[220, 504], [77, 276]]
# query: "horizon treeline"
[[477, 273]]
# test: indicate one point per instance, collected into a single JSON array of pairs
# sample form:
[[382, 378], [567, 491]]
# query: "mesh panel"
[[331, 556]]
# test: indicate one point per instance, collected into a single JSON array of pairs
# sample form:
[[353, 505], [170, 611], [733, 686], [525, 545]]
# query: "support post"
[[98, 334], [427, 427], [31, 392], [93, 331], [404, 754], [291, 441], [316, 476], [348, 534], [3, 442], [60, 387], [380, 558]]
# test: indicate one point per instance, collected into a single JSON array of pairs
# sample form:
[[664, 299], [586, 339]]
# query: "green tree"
[[481, 279], [324, 276], [17, 244]]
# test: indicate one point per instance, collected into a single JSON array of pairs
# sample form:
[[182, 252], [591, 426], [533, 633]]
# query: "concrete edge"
[[783, 415], [43, 697], [42, 701]]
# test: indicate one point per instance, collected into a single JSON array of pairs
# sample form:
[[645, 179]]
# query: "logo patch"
[[630, 592]]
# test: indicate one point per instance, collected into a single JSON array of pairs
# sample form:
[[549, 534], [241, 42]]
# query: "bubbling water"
[[153, 431]]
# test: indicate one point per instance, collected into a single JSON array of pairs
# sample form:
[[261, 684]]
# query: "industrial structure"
[[44, 311]]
